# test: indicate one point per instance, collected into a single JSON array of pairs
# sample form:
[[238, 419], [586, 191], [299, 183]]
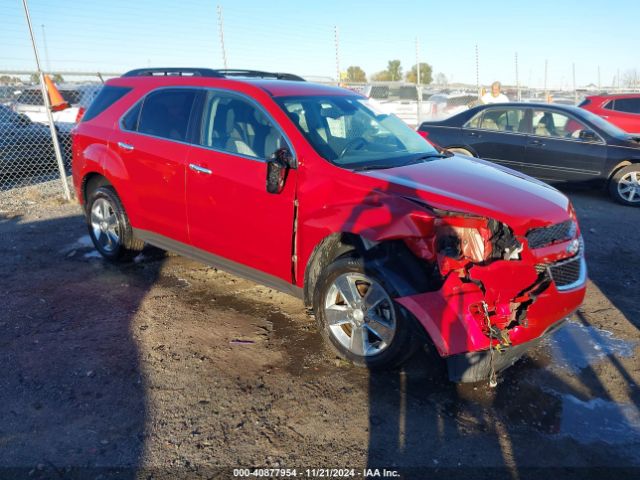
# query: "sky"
[[299, 37]]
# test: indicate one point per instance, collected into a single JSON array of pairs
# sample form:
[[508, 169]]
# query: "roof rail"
[[260, 74], [208, 72], [195, 72]]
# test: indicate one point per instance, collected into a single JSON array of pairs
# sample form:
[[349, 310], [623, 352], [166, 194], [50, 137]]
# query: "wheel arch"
[[620, 165], [471, 150]]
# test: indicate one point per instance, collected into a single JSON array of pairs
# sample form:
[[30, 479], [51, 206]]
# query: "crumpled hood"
[[465, 184]]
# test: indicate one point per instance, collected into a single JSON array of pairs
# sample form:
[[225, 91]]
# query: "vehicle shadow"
[[72, 402]]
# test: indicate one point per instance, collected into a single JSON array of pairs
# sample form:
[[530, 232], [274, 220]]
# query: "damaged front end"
[[501, 290]]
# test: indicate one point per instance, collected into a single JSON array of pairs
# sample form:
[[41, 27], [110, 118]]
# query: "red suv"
[[623, 110], [310, 190]]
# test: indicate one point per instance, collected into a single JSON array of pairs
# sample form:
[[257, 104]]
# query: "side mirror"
[[277, 168], [588, 135]]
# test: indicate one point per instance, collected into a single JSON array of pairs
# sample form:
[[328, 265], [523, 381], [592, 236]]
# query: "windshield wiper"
[[375, 167]]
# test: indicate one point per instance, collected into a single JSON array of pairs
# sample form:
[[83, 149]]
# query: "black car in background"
[[555, 143], [26, 148]]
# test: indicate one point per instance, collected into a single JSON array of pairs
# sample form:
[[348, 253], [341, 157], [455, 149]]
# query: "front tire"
[[356, 314], [624, 186], [109, 226]]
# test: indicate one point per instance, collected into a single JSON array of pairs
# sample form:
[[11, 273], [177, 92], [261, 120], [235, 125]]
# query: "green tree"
[[35, 78], [395, 70], [383, 76], [425, 74], [356, 74], [57, 78]]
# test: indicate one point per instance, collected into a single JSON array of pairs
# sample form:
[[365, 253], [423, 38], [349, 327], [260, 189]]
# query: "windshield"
[[351, 133], [602, 124]]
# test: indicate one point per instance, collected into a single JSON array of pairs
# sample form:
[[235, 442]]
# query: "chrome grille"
[[560, 232]]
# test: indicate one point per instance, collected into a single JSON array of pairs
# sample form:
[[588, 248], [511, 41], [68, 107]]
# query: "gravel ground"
[[166, 368]]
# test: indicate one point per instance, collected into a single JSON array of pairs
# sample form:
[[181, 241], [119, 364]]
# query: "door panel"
[[232, 215], [155, 156], [500, 136], [555, 153], [230, 212]]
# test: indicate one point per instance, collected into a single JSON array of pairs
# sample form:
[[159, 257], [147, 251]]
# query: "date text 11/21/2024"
[[316, 473]]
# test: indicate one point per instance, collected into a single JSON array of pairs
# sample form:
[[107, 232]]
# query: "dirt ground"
[[166, 368]]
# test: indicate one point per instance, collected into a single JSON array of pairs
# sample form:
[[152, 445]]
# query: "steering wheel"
[[358, 141]]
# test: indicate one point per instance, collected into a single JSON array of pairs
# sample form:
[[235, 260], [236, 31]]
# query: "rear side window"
[[628, 105], [611, 105], [108, 96], [130, 120], [166, 113]]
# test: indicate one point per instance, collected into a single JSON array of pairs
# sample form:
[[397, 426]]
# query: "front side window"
[[234, 125], [554, 124], [628, 105], [165, 113], [351, 132]]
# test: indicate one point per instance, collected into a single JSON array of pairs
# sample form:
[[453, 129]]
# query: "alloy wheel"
[[629, 187], [104, 224], [360, 314]]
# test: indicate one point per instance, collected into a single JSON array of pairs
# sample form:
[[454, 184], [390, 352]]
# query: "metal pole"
[[336, 40], [47, 104], [418, 86], [599, 87], [46, 50], [546, 92], [575, 92], [518, 94], [477, 72], [221, 29]]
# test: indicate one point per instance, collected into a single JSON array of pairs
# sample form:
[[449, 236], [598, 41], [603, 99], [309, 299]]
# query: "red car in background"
[[623, 110], [312, 190]]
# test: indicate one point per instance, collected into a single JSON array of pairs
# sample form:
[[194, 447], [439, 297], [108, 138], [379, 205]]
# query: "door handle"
[[537, 143], [199, 169], [125, 146]]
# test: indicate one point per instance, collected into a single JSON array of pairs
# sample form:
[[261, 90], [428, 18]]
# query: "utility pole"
[[46, 49], [418, 86], [477, 72], [546, 92], [336, 41], [221, 30], [47, 104], [618, 79], [518, 95], [575, 92]]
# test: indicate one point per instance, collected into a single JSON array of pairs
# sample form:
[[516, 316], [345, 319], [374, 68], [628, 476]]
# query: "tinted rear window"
[[166, 113], [108, 96]]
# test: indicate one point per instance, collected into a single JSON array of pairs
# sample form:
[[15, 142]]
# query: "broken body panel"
[[494, 291]]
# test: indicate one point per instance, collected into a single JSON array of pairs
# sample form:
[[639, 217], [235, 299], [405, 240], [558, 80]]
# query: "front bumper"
[[476, 366], [449, 315]]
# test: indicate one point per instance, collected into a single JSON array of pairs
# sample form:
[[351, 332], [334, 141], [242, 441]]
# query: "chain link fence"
[[27, 155]]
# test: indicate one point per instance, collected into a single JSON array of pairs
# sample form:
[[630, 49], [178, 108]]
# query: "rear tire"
[[356, 314], [624, 186], [109, 226]]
